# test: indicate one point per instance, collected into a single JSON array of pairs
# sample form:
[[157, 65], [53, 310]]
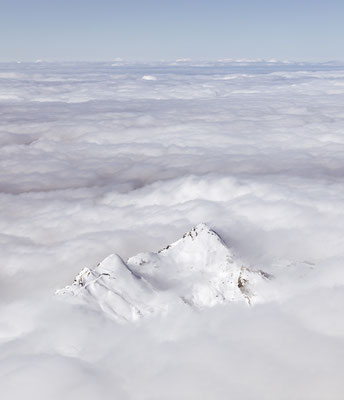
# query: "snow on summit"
[[198, 270]]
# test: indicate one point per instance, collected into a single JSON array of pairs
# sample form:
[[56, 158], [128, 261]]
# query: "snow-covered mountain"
[[198, 270]]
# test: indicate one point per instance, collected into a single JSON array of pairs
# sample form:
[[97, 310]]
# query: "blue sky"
[[153, 30]]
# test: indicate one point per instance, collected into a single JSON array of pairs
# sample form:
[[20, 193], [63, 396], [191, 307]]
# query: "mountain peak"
[[200, 235], [198, 270], [200, 229]]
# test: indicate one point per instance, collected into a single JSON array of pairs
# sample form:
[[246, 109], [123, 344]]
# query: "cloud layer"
[[97, 158]]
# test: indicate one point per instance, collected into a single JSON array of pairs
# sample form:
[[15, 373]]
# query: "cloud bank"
[[96, 159]]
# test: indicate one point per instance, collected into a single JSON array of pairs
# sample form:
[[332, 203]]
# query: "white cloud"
[[149, 78], [95, 160]]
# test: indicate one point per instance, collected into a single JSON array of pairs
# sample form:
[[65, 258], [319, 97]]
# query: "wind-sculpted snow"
[[95, 158], [198, 270]]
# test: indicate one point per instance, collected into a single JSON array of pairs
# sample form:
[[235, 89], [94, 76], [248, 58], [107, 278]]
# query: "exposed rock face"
[[198, 270]]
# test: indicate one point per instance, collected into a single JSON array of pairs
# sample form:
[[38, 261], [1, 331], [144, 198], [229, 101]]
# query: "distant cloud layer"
[[124, 158]]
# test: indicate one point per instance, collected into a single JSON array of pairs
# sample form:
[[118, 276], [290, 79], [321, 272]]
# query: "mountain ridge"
[[199, 270]]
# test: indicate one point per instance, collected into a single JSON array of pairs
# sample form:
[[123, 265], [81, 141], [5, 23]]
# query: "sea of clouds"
[[125, 158]]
